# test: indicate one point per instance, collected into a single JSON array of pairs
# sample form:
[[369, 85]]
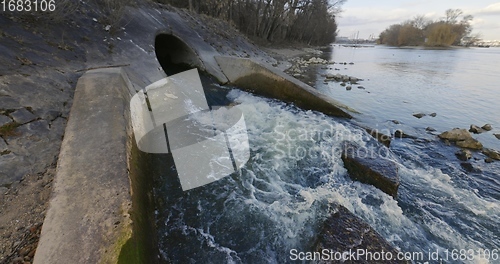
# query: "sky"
[[371, 17]]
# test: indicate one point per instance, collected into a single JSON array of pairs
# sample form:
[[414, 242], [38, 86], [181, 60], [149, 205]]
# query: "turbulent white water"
[[288, 187]]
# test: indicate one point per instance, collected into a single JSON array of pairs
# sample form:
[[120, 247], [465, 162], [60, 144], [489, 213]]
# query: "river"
[[280, 197], [462, 86]]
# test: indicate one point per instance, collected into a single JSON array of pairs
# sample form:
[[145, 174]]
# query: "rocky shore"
[[39, 66], [304, 65]]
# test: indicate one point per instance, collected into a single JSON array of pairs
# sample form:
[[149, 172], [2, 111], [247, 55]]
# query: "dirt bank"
[[40, 62]]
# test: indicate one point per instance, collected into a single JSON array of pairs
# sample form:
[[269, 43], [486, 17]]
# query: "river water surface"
[[462, 86], [281, 196]]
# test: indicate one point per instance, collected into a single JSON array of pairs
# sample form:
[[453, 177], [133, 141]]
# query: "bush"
[[446, 32], [441, 35]]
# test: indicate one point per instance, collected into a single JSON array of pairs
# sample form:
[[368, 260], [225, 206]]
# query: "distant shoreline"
[[430, 48]]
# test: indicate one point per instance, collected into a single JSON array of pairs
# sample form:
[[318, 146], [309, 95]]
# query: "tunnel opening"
[[174, 55]]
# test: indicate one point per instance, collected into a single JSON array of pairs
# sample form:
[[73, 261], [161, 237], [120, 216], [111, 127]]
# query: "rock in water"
[[462, 137], [469, 168], [463, 154], [381, 137], [475, 129], [430, 129], [344, 232], [433, 114], [487, 127], [419, 115], [455, 134], [491, 153], [470, 144], [369, 165], [497, 135], [400, 134]]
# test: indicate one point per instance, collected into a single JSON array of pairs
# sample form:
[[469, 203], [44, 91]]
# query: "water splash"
[[280, 197]]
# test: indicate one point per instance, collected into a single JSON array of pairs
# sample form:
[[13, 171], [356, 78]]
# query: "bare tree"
[[311, 21], [452, 15], [421, 22]]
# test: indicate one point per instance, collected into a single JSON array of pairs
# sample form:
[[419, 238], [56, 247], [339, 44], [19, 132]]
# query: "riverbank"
[[37, 79], [39, 67], [421, 94], [432, 47]]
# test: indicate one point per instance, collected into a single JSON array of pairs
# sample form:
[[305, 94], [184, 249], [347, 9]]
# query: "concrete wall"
[[262, 79], [248, 74], [99, 210]]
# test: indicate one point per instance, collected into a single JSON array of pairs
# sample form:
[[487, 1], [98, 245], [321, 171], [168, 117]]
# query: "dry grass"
[[63, 10], [113, 10], [110, 11]]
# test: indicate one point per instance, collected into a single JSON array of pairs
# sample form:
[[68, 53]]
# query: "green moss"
[[123, 239], [132, 253], [9, 129], [141, 247]]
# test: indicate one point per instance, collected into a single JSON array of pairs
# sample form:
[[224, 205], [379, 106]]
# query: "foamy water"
[[295, 175]]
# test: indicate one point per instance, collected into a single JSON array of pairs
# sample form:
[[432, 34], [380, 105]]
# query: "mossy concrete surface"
[[91, 214]]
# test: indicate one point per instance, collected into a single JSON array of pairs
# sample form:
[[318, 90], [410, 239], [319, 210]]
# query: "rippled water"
[[281, 196], [462, 86]]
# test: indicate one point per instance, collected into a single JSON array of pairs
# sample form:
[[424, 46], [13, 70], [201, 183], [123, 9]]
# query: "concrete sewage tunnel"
[[174, 55], [124, 208]]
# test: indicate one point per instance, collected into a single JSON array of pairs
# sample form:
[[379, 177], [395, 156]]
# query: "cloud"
[[486, 21], [368, 21], [373, 20], [477, 22], [414, 4], [493, 9], [487, 29], [360, 16]]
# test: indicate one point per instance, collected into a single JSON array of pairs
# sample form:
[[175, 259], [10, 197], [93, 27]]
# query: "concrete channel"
[[102, 209], [101, 206]]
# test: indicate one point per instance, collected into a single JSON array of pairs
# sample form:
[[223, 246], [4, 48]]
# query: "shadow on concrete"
[[174, 55]]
